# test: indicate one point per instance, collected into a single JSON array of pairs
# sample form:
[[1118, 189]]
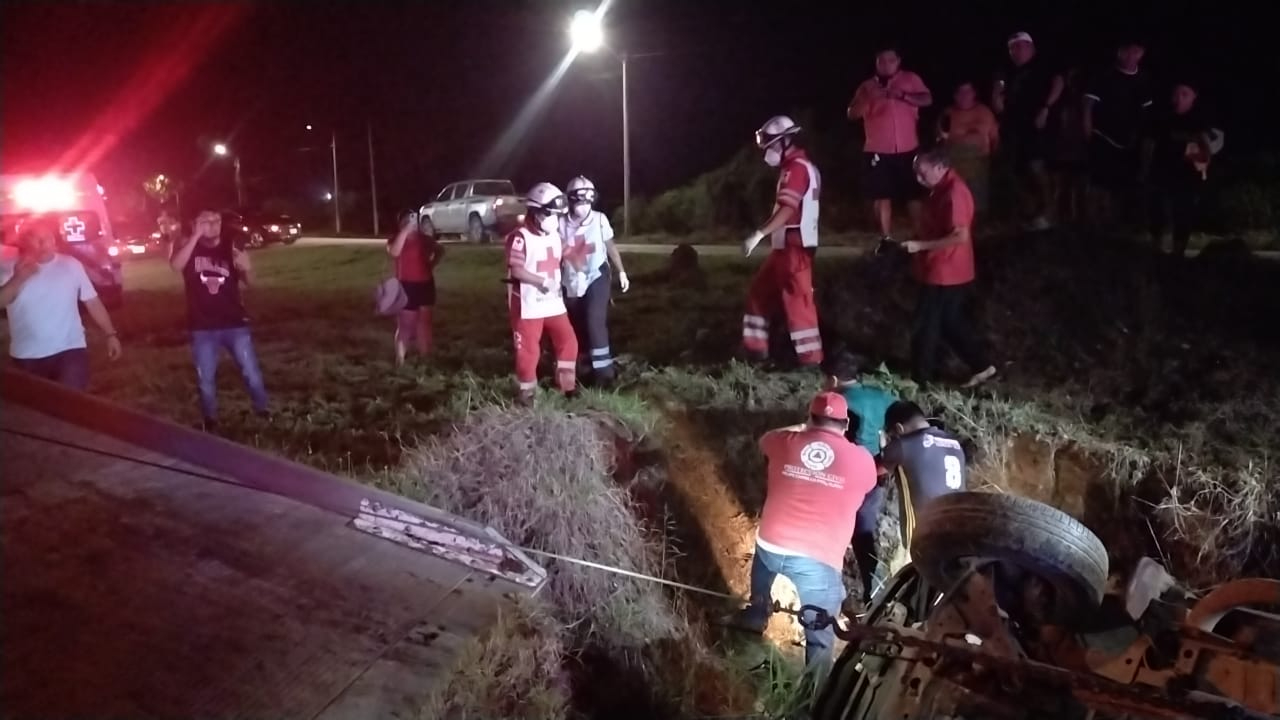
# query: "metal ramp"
[[213, 581]]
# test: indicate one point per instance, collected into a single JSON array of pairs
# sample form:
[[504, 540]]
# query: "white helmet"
[[581, 190], [777, 127], [547, 198]]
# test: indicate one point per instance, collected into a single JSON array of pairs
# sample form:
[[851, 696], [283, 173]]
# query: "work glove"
[[751, 242], [624, 282]]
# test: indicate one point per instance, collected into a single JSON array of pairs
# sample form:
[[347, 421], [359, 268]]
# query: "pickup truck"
[[475, 209]]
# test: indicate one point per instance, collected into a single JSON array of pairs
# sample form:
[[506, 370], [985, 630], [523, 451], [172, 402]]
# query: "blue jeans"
[[237, 341], [69, 367], [816, 583]]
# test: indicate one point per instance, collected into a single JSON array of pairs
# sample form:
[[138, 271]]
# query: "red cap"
[[829, 405]]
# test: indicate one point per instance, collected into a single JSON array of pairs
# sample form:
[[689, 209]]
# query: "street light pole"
[[235, 162], [626, 156], [337, 197], [373, 182]]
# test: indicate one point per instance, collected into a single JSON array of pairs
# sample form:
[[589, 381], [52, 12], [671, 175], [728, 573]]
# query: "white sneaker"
[[981, 377]]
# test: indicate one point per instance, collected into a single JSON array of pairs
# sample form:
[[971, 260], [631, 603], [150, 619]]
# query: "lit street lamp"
[[221, 150], [587, 34]]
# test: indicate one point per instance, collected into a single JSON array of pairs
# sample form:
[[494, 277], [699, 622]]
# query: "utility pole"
[[235, 162], [626, 157], [373, 182], [337, 197]]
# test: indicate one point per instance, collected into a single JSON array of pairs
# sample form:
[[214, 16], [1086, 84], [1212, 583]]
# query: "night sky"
[[132, 89]]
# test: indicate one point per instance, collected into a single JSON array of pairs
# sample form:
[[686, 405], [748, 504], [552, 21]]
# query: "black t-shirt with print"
[[1122, 103], [213, 288]]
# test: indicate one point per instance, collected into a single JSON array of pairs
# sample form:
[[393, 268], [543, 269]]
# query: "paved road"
[[634, 249], [665, 249]]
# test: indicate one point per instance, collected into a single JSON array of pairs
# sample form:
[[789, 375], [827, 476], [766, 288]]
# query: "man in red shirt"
[[817, 482], [786, 277], [942, 262], [889, 105]]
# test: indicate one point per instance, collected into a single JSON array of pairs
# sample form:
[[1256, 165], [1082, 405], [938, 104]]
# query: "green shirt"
[[868, 404]]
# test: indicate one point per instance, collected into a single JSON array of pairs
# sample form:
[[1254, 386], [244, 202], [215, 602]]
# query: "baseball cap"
[[829, 405], [1021, 36]]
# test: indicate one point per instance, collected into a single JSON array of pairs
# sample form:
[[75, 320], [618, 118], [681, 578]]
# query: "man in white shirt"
[[41, 291]]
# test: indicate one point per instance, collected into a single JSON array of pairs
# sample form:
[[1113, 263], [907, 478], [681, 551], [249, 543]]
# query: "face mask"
[[773, 156], [581, 210], [549, 224]]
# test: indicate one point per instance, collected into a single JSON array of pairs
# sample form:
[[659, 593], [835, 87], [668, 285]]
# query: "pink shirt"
[[890, 124], [817, 481]]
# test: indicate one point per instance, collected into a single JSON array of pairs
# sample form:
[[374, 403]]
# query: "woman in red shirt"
[[416, 253]]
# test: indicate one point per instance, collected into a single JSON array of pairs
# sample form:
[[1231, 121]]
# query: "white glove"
[[751, 242], [624, 282], [579, 284]]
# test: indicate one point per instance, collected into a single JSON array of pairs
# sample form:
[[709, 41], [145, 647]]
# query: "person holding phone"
[[416, 253], [213, 270], [888, 104]]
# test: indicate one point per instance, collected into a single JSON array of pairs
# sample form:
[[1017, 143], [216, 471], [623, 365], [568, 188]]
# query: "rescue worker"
[[590, 256], [867, 406], [786, 277], [817, 480], [926, 462], [534, 252]]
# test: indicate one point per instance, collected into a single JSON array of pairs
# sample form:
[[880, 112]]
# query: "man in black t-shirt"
[[1024, 98], [1116, 118], [924, 462], [1182, 139], [212, 271]]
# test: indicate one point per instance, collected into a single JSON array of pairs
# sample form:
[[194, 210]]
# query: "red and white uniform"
[[785, 280], [532, 310], [817, 482]]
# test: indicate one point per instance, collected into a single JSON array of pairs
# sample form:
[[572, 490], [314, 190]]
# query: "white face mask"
[[550, 224], [773, 156], [580, 210]]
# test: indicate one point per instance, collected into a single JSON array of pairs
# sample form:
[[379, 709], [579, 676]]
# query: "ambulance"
[[78, 204]]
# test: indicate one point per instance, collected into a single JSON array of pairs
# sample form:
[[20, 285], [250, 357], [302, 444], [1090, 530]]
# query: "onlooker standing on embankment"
[[1116, 117], [1025, 99], [212, 270], [971, 134], [416, 253], [1182, 147], [942, 263], [889, 105], [817, 481], [41, 291]]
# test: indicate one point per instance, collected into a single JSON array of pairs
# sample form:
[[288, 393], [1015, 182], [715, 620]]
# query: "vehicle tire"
[[289, 239], [475, 229], [1028, 535], [257, 240]]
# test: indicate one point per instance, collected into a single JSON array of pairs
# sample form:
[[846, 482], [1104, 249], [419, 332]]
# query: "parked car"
[[475, 209], [134, 240], [260, 229]]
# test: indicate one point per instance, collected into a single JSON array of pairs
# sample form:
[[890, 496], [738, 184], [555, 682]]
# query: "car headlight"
[[275, 228]]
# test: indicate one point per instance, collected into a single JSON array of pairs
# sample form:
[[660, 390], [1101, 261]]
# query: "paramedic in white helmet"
[[785, 280], [590, 256], [534, 297]]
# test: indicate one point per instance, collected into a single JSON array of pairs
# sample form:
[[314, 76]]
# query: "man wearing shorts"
[[889, 105]]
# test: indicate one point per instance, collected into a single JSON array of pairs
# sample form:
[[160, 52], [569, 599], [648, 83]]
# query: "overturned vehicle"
[[1005, 612]]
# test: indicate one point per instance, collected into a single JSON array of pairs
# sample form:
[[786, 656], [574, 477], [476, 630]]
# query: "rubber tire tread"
[[1030, 535]]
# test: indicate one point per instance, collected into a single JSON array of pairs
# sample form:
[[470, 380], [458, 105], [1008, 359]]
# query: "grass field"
[[1138, 397]]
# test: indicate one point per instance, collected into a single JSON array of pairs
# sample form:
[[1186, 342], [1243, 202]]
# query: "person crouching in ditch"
[[416, 254], [817, 480]]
